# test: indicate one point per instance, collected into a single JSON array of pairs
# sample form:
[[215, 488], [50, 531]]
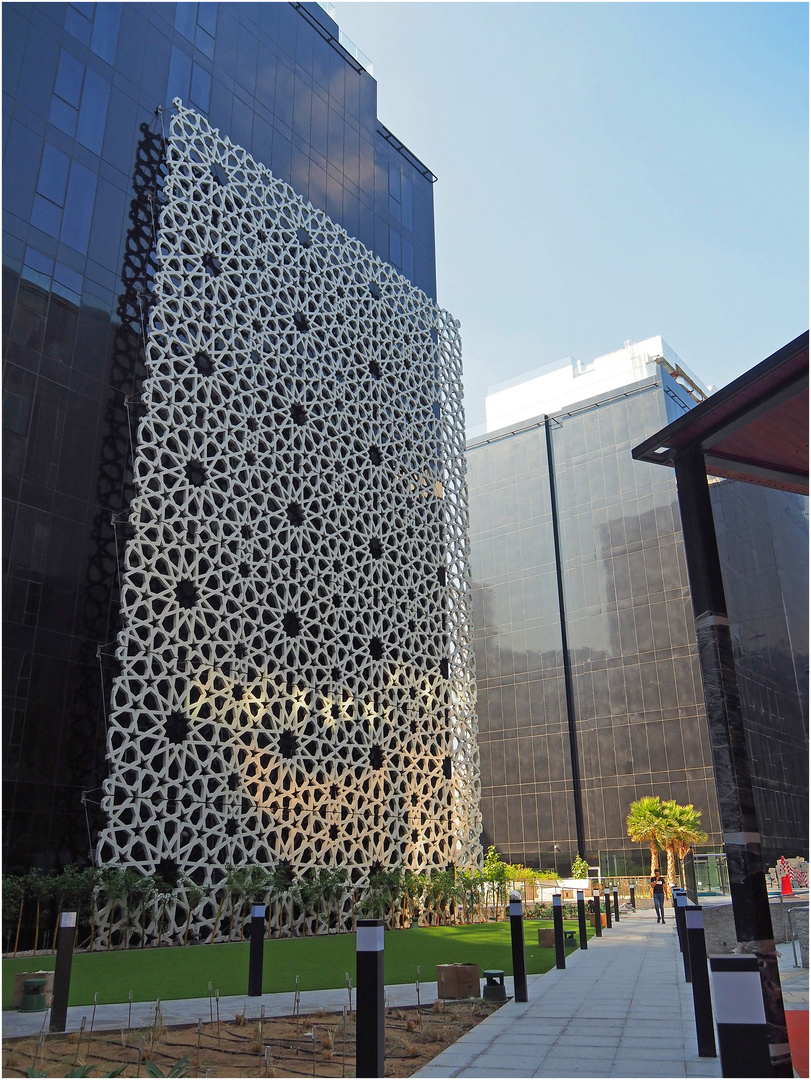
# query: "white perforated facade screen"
[[295, 661]]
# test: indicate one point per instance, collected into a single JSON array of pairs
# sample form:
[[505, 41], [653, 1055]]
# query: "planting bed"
[[314, 1044]]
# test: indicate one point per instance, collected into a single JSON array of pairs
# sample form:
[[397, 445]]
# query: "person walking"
[[658, 885]]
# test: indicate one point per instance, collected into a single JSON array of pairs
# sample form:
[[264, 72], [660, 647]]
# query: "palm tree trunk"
[[654, 858], [671, 865]]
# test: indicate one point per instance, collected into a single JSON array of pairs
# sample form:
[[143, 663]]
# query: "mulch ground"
[[313, 1044]]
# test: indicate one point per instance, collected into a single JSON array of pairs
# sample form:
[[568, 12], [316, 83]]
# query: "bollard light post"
[[517, 938], [370, 1050], [257, 950], [674, 895], [632, 890], [681, 904], [743, 1035], [557, 920], [607, 909], [702, 1002], [598, 921], [581, 919], [64, 960], [616, 904]]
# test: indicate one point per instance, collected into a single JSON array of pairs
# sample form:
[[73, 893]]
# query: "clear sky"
[[606, 172]]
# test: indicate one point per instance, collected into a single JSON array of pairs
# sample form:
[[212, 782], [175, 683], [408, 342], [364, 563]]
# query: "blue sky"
[[606, 172]]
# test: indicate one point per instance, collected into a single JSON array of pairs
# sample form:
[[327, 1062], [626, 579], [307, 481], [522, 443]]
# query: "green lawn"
[[320, 963]]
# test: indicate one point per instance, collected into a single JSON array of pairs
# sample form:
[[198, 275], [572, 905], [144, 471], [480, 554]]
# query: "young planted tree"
[[72, 890], [413, 889], [335, 882], [193, 894], [141, 890], [443, 887], [311, 887], [38, 890], [113, 884], [580, 868], [375, 902], [278, 884], [223, 887], [389, 883], [472, 886], [495, 874], [13, 902], [244, 884]]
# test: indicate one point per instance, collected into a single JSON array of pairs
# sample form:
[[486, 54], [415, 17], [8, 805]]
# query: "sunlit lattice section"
[[296, 662]]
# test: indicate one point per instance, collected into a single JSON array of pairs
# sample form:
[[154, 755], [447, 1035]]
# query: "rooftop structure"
[[555, 386]]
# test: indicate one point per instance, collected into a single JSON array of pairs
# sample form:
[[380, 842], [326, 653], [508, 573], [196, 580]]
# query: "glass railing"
[[353, 50], [346, 42]]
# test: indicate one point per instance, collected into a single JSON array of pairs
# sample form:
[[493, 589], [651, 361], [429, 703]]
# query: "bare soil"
[[314, 1044]]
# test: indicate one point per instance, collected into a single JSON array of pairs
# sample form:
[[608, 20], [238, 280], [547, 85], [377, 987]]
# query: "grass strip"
[[320, 963]]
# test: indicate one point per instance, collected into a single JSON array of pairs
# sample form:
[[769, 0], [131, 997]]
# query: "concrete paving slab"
[[617, 1008]]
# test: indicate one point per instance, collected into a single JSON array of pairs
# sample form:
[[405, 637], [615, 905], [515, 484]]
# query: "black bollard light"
[[64, 960], [581, 919], [676, 922], [681, 904], [607, 909], [616, 904], [743, 1036], [557, 922], [370, 1050], [702, 1003], [517, 937], [632, 890], [257, 950], [598, 922]]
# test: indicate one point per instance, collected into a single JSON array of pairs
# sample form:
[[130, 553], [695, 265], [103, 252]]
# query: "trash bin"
[[33, 999], [20, 979], [494, 989]]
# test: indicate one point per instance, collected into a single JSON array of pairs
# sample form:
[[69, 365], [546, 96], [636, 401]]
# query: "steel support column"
[[733, 780]]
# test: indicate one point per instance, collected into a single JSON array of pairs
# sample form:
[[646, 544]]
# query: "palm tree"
[[684, 833], [647, 824]]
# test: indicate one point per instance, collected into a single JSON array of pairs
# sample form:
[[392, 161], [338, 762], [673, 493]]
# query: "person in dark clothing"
[[658, 884]]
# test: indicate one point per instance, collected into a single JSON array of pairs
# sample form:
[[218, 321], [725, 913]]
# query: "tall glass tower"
[[237, 592]]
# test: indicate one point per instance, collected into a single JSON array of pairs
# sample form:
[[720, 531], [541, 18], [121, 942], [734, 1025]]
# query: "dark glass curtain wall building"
[[589, 691], [88, 106]]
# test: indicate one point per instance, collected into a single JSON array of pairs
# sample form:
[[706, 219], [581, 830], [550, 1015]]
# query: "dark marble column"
[[733, 780]]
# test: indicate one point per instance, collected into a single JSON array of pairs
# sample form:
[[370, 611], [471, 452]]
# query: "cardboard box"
[[19, 986], [546, 938], [593, 919], [455, 981]]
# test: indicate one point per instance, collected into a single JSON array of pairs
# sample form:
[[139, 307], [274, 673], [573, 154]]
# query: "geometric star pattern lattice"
[[296, 660]]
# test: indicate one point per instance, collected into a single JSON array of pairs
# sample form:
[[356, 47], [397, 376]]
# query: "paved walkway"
[[620, 1008]]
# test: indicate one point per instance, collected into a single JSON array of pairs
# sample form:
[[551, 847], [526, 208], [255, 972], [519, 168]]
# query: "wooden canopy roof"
[[755, 429]]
